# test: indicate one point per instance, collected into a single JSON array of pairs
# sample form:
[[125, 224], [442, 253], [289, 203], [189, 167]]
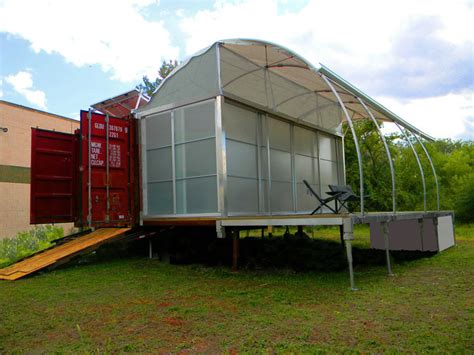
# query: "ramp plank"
[[61, 252]]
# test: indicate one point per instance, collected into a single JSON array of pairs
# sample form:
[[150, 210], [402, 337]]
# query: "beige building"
[[16, 122]]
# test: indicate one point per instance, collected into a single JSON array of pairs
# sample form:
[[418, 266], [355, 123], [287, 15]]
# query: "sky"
[[416, 57]]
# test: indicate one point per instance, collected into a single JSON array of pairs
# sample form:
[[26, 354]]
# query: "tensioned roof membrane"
[[269, 77]]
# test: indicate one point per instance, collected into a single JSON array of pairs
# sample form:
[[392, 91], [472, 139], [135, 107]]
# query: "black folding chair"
[[322, 201], [343, 194]]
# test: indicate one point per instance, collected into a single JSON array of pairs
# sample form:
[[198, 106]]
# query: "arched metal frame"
[[432, 167], [419, 164], [387, 150], [356, 141]]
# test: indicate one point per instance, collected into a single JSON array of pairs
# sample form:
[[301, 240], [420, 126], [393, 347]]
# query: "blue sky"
[[415, 57]]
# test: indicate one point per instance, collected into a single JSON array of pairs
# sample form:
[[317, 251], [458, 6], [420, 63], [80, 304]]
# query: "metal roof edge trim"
[[352, 89]]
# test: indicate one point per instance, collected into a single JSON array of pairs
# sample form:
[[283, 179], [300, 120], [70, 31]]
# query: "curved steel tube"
[[356, 142], [418, 161], [387, 150], [432, 167]]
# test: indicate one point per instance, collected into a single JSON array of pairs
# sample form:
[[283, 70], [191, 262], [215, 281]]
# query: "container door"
[[106, 177], [52, 177]]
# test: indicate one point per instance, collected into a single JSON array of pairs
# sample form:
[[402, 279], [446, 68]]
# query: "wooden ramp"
[[61, 253]]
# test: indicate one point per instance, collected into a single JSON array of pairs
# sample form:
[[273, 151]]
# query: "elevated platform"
[[320, 219], [61, 253]]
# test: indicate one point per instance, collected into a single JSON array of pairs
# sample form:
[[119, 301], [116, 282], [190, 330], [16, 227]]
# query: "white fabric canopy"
[[270, 77]]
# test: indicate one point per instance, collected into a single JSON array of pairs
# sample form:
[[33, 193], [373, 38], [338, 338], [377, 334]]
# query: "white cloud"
[[22, 82], [449, 116], [1, 88], [110, 33]]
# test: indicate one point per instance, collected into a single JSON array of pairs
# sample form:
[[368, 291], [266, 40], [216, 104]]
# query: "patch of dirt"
[[173, 321]]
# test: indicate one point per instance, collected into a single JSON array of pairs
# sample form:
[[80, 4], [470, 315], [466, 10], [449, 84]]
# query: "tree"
[[148, 86]]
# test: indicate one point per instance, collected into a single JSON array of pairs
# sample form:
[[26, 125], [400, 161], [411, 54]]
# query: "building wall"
[[15, 162]]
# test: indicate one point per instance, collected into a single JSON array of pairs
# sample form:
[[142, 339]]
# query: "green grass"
[[141, 305], [27, 243]]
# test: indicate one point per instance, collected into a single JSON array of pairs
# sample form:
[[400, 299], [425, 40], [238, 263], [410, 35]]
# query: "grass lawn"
[[142, 305]]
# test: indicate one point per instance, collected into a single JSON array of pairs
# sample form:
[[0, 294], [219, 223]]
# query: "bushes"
[[27, 243]]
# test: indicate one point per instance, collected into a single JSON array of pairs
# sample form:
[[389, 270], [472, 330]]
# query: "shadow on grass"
[[299, 253]]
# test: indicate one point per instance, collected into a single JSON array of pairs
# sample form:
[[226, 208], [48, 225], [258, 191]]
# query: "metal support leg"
[[150, 248], [299, 231], [348, 237], [421, 222], [387, 248], [235, 250]]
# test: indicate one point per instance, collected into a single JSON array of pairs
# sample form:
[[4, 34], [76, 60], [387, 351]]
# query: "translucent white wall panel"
[[306, 201], [195, 81], [305, 142], [281, 197], [241, 159], [198, 195], [242, 195], [159, 164], [328, 174], [160, 198], [158, 130], [194, 122], [281, 194], [327, 147], [279, 132], [240, 123], [195, 158], [306, 169], [280, 163], [240, 126]]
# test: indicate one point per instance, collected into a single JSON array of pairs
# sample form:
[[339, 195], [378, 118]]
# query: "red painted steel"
[[119, 179], [53, 162], [121, 106]]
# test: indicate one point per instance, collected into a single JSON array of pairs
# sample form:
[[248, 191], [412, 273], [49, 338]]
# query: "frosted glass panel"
[[280, 165], [240, 124], [305, 142], [242, 195], [327, 147], [197, 195], [306, 201], [196, 158], [159, 166], [304, 168], [279, 134], [158, 130], [241, 159], [281, 197], [194, 122], [328, 174], [160, 198], [192, 82]]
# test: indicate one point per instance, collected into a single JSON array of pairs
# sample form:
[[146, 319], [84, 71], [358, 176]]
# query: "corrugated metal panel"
[[110, 174], [52, 177]]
